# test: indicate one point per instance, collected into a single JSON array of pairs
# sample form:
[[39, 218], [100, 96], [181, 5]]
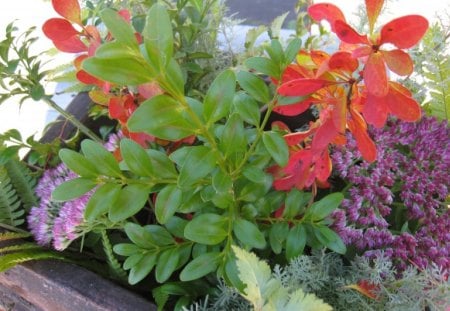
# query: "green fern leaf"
[[19, 247], [10, 204], [6, 236], [24, 182], [10, 260]]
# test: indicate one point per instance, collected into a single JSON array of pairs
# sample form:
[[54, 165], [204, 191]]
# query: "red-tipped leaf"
[[323, 166], [326, 11], [343, 61], [71, 45], [404, 32], [375, 76], [349, 35], [375, 110], [58, 29], [294, 109], [302, 87], [373, 8], [324, 136], [69, 9], [399, 62], [401, 104], [365, 144]]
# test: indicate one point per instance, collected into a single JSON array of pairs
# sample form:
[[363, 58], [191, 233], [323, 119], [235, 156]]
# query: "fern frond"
[[6, 236], [11, 212], [19, 247], [23, 181], [112, 261], [10, 260]]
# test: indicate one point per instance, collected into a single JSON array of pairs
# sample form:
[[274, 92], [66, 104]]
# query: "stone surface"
[[58, 286]]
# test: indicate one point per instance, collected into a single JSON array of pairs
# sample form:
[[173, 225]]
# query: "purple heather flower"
[[410, 175]]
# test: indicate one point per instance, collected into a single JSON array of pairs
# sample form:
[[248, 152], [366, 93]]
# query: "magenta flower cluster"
[[56, 223], [60, 223], [397, 204]]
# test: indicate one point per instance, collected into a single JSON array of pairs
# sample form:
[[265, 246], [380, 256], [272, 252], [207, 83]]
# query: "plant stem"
[[71, 118]]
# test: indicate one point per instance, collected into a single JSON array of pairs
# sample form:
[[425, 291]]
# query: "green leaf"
[[233, 138], [167, 203], [255, 174], [277, 235], [161, 236], [176, 226], [78, 163], [199, 162], [247, 108], [119, 28], [126, 249], [263, 65], [167, 119], [140, 236], [209, 229], [292, 50], [103, 159], [200, 266], [158, 35], [321, 209], [295, 242], [142, 268], [163, 167], [132, 198], [253, 191], [136, 158], [330, 239], [105, 196], [254, 86], [249, 234], [174, 79], [72, 189], [219, 98], [167, 263], [122, 71], [275, 26], [295, 200], [222, 182], [277, 147]]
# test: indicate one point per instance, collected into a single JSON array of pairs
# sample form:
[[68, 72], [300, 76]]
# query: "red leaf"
[[326, 11], [150, 89], [349, 35], [296, 138], [366, 288], [323, 167], [339, 114], [125, 15], [375, 110], [71, 45], [358, 128], [399, 62], [86, 78], [402, 105], [362, 51], [343, 61], [324, 136], [319, 57], [294, 109], [375, 76], [373, 8], [404, 32], [293, 72], [69, 9], [58, 29], [302, 87]]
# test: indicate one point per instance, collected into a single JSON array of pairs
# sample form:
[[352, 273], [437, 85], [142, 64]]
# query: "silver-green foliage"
[[326, 275]]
